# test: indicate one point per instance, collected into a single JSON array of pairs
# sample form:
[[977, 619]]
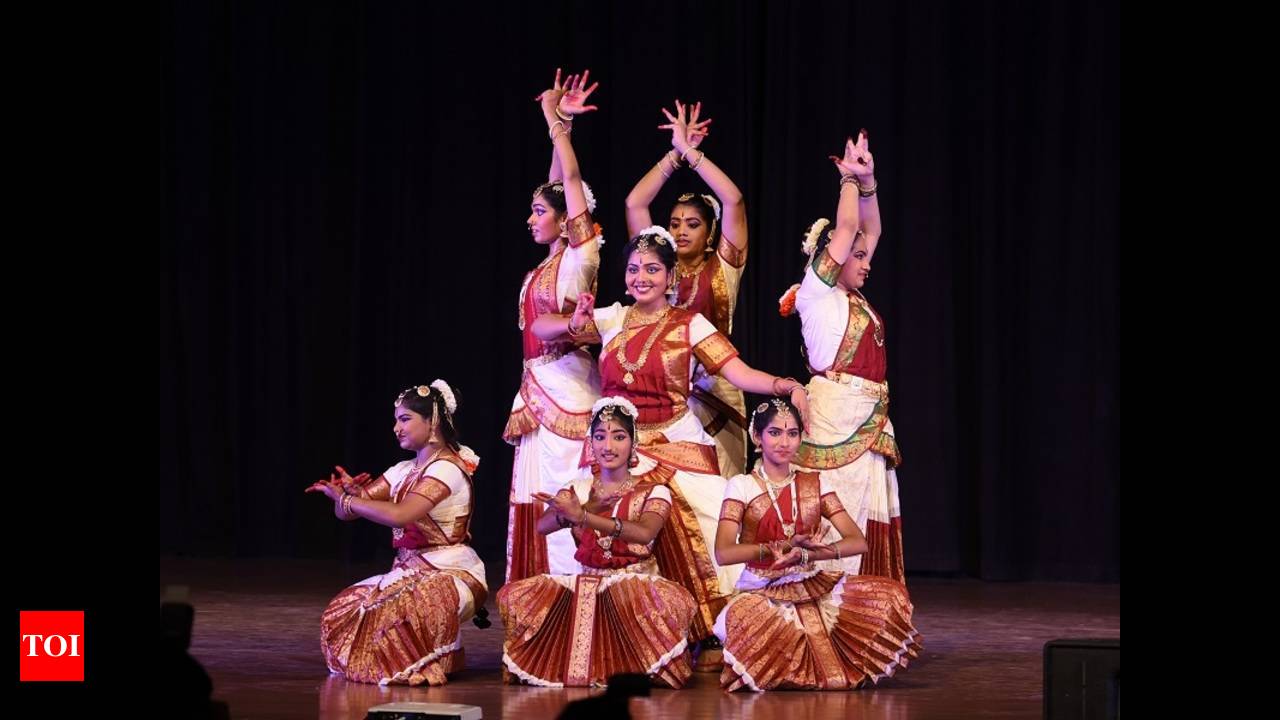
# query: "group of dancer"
[[641, 539]]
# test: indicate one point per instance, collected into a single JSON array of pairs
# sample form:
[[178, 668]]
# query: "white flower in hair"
[[450, 402], [469, 458], [617, 401], [591, 198], [811, 238], [660, 232], [715, 204]]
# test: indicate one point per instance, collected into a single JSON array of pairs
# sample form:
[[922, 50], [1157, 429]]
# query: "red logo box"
[[51, 645]]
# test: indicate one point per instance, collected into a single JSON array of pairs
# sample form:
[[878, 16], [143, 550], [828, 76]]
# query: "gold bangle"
[[578, 332]]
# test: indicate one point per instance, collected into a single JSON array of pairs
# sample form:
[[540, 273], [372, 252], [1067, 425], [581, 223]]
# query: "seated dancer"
[[618, 615], [792, 625], [404, 627]]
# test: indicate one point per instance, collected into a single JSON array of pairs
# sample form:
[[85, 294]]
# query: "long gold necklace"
[[605, 541], [524, 287], [681, 274], [627, 326], [788, 528], [878, 335]]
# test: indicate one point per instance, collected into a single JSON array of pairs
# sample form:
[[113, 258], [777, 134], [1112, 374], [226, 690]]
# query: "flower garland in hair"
[[751, 426], [616, 401], [787, 303], [715, 204], [469, 458], [661, 232], [810, 244], [450, 402], [558, 186]]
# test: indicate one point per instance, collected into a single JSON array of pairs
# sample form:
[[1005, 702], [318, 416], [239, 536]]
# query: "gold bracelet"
[[774, 385]]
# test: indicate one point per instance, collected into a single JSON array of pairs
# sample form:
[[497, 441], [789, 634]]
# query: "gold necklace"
[[627, 326], [606, 541], [681, 274], [524, 287], [415, 468], [788, 528], [878, 335]]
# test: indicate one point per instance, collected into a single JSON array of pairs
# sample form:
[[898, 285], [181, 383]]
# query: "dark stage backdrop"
[[346, 189]]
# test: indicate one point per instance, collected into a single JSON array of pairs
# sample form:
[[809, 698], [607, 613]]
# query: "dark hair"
[[665, 250], [552, 192], [824, 239], [760, 419], [707, 212], [432, 405], [627, 422]]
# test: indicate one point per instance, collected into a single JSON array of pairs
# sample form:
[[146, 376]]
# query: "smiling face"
[[858, 267], [412, 430], [647, 277], [779, 438], [611, 444]]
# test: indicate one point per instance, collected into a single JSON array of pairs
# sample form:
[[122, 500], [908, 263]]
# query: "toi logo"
[[51, 645]]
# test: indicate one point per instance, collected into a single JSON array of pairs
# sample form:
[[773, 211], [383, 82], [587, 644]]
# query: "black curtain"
[[346, 193]]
